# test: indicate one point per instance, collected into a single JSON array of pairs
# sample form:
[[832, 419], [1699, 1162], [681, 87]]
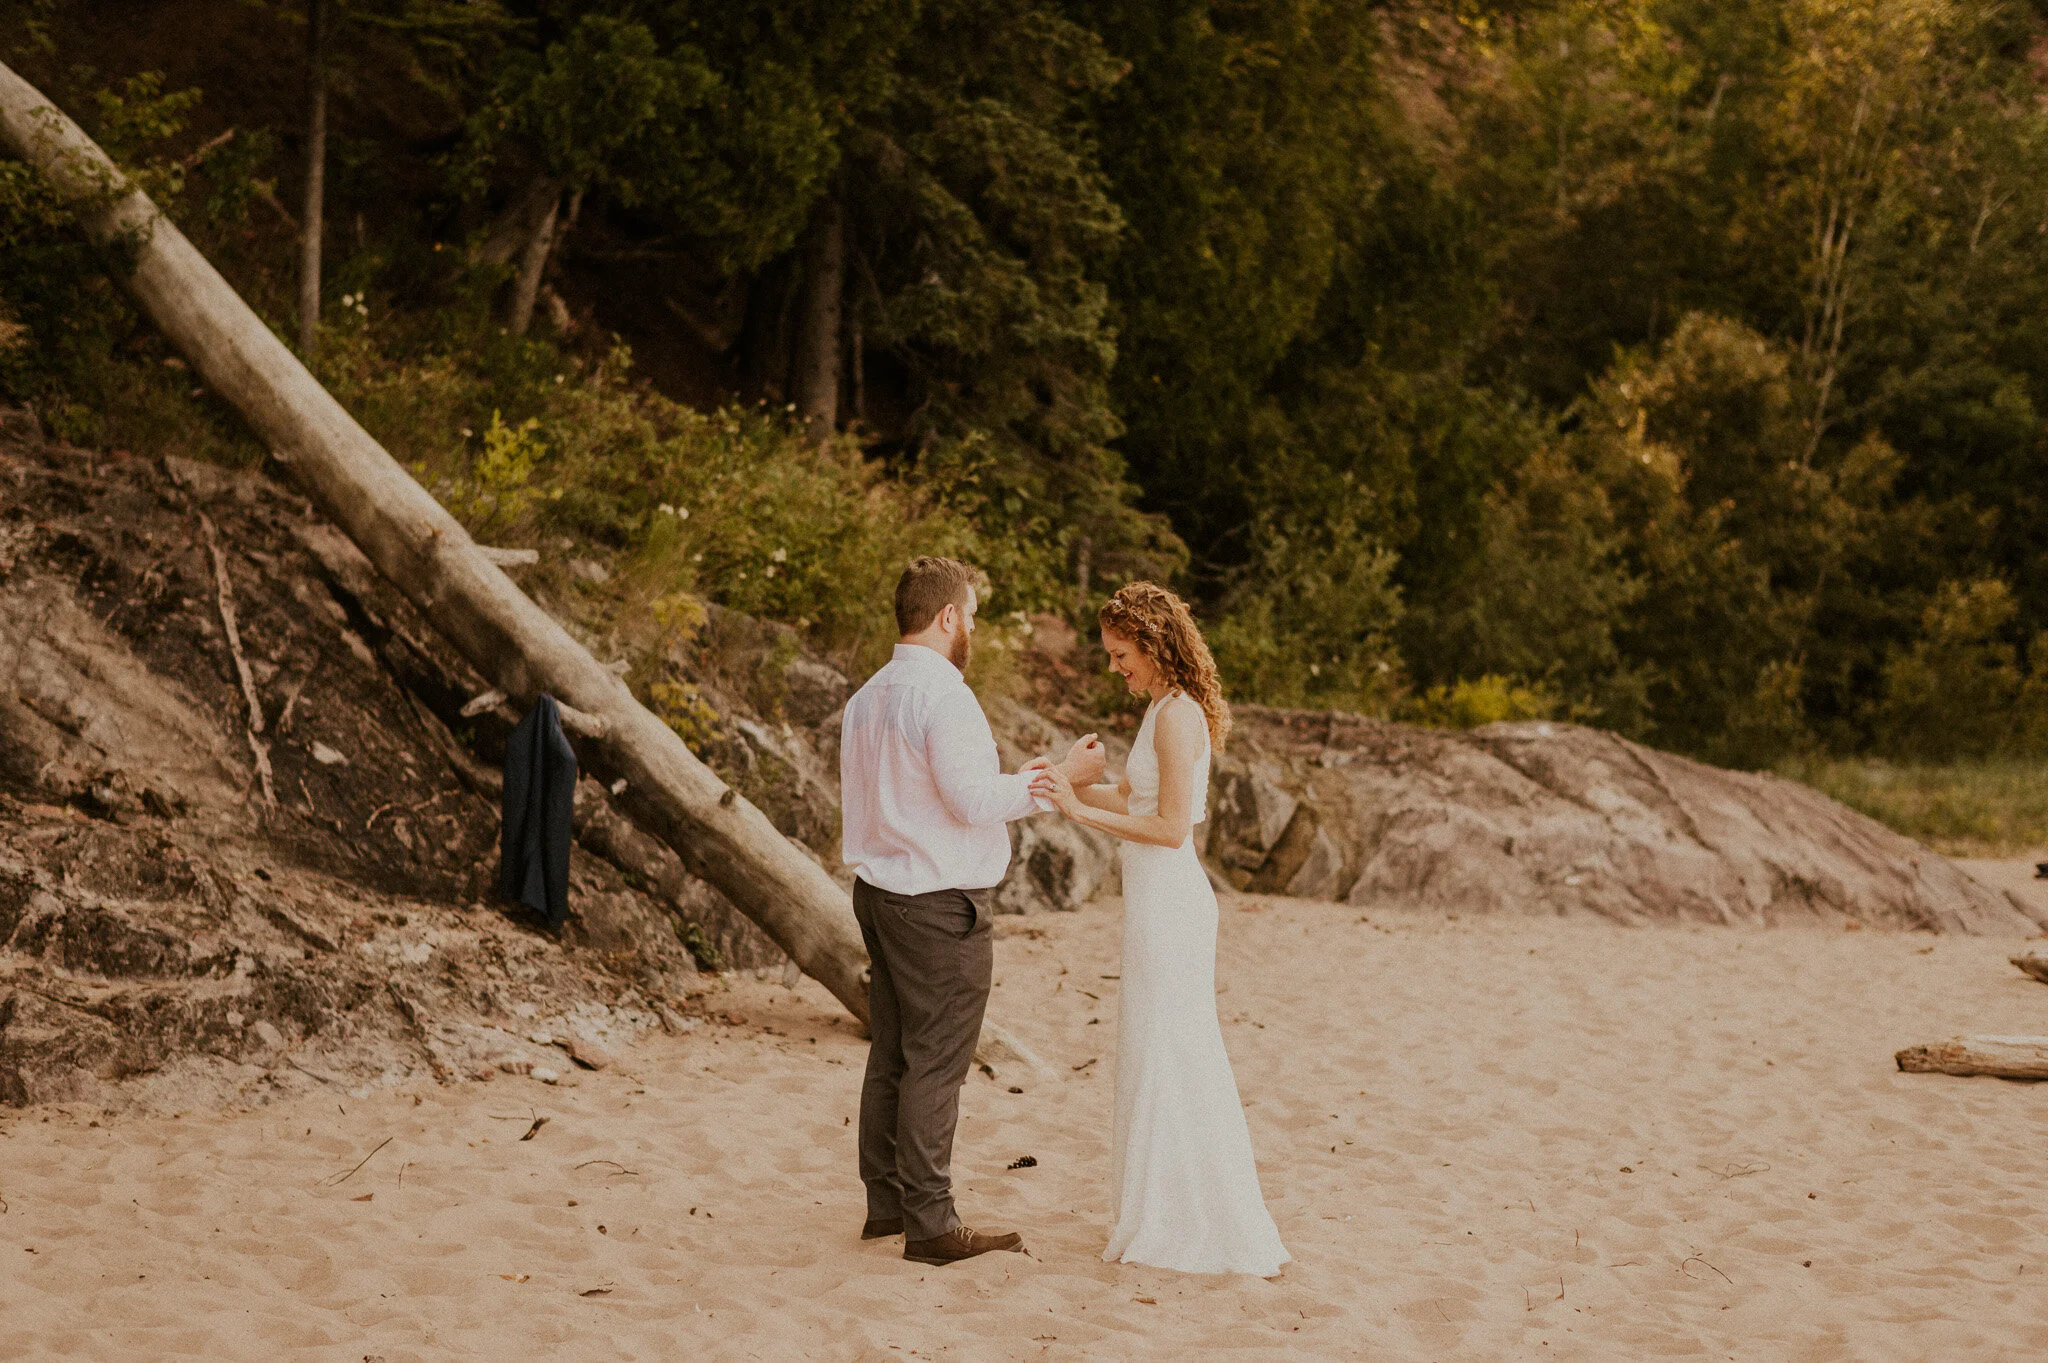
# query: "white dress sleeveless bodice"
[[1184, 1187], [1142, 770]]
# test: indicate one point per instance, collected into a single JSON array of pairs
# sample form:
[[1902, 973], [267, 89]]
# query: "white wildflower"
[[780, 556]]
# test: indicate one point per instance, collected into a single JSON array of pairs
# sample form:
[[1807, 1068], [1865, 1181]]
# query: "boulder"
[[1542, 817], [812, 691], [1249, 812], [1055, 865]]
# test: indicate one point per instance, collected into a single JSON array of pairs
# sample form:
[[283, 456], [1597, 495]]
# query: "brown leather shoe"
[[959, 1243], [881, 1227]]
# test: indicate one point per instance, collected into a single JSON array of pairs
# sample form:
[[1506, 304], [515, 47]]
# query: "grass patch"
[[1996, 807]]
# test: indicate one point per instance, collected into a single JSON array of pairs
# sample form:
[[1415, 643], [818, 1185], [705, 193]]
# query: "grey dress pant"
[[932, 956]]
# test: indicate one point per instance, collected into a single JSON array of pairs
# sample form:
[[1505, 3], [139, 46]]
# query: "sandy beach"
[[1497, 1139]]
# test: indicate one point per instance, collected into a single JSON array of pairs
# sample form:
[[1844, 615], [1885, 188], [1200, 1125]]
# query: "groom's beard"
[[963, 649]]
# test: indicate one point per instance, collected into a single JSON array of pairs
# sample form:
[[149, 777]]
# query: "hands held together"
[[1055, 783]]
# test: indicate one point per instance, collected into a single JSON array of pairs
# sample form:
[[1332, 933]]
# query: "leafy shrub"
[[1954, 691], [1491, 699], [1310, 620], [531, 447]]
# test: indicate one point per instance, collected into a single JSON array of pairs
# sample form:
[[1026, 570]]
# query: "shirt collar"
[[917, 655]]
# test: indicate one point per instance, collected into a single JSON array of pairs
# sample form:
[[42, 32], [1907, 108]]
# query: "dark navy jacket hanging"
[[540, 797]]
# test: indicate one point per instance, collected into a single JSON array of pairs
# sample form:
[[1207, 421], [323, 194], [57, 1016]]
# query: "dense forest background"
[[1674, 365]]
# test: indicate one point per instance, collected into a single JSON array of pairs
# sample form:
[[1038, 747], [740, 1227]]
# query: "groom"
[[924, 802]]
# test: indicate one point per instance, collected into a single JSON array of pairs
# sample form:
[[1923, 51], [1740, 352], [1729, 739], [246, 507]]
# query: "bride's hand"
[[1052, 785]]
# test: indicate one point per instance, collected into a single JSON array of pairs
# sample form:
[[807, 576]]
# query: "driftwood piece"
[[2033, 961], [2005, 1057], [517, 647]]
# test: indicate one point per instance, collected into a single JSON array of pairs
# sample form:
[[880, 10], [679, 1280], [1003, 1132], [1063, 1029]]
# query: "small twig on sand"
[[226, 592], [371, 822], [612, 1162], [1695, 1259], [1738, 1170], [534, 1130], [332, 1182], [314, 1074]]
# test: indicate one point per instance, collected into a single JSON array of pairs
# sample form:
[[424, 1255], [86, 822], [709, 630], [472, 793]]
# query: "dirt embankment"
[[164, 925]]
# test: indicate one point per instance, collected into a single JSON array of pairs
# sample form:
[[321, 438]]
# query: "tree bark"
[[426, 553], [532, 261], [818, 362], [313, 220], [2004, 1057], [514, 227]]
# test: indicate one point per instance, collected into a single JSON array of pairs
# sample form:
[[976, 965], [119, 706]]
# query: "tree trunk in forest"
[[514, 228], [313, 220], [425, 552], [532, 261], [816, 386]]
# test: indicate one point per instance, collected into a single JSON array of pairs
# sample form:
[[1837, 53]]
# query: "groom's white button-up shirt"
[[923, 796]]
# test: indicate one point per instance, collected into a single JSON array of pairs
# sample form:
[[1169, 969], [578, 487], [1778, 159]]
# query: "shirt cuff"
[[1022, 803]]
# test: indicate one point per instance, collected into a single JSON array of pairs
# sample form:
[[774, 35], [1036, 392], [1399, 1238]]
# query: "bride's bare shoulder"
[[1180, 720]]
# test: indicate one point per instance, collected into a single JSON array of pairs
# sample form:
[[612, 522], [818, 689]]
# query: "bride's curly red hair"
[[1164, 629]]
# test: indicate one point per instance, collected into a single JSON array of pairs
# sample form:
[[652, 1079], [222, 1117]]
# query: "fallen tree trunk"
[[2005, 1057], [427, 554], [2033, 962]]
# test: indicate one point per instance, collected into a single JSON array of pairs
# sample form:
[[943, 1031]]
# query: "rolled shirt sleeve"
[[960, 750]]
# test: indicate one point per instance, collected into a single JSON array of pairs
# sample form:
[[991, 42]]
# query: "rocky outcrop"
[[1556, 818], [1054, 865]]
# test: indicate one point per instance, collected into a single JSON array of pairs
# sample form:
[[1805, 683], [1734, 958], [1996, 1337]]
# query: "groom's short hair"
[[928, 586]]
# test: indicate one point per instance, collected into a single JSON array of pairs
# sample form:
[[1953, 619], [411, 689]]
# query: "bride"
[[1183, 1184]]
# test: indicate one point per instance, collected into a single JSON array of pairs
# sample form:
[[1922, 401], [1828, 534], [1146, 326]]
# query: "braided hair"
[[1164, 630]]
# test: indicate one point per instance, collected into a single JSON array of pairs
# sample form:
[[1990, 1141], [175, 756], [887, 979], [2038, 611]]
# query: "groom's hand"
[[1084, 761]]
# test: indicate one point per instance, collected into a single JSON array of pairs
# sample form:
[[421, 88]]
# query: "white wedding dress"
[[1183, 1184]]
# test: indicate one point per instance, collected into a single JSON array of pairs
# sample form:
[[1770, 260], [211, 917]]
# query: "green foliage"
[[62, 316], [1675, 366], [1989, 808], [1490, 699], [683, 708], [499, 491], [1955, 691], [727, 505], [1310, 622]]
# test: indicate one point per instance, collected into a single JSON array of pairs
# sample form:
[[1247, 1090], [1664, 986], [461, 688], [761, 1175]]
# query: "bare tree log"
[[2005, 1057], [425, 552], [2033, 962], [316, 176], [816, 380]]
